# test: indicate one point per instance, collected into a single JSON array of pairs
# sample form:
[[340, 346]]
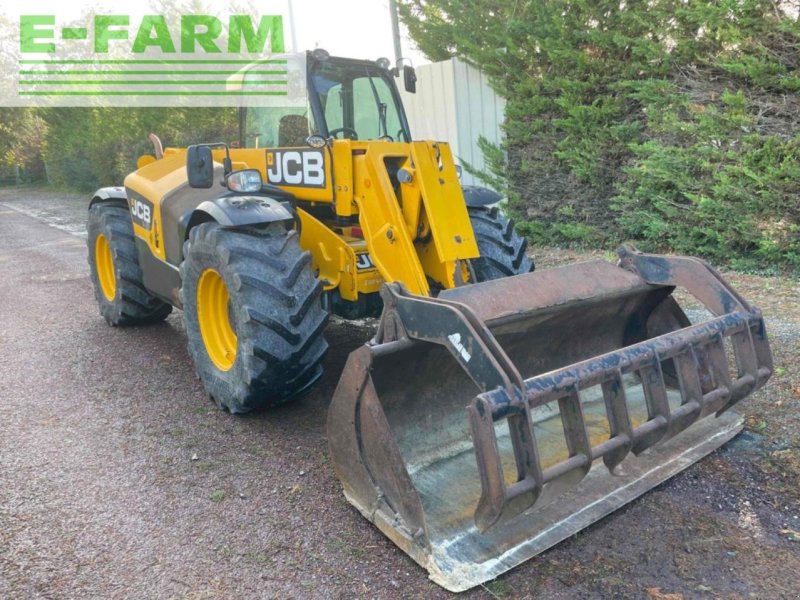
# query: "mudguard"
[[480, 196], [110, 195], [239, 211]]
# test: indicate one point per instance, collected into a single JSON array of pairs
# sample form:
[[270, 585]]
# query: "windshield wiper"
[[382, 117], [381, 108]]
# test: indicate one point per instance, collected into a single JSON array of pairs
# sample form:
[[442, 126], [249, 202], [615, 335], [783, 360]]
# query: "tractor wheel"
[[253, 316], [115, 271], [502, 248]]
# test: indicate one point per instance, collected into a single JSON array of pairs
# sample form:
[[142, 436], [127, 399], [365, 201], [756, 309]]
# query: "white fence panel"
[[454, 103]]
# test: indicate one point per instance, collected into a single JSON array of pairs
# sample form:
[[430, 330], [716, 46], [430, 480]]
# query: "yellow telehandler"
[[497, 410]]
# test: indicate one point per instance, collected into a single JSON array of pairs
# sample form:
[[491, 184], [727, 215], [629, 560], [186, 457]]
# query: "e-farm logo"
[[113, 58], [196, 32]]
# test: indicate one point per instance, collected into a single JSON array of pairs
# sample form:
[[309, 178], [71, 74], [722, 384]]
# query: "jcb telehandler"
[[497, 410]]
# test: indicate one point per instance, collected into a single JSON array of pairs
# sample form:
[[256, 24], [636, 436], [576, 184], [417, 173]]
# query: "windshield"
[[276, 119], [276, 126], [357, 102]]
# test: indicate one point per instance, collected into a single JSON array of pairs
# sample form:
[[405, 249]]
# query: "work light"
[[246, 180]]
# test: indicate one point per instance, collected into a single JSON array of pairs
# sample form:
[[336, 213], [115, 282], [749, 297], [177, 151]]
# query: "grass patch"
[[339, 545], [257, 557], [498, 588], [175, 431]]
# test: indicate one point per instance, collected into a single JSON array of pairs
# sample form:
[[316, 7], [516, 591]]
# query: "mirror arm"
[[227, 165]]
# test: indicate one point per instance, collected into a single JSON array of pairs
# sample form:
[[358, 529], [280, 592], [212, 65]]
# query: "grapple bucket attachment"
[[481, 427]]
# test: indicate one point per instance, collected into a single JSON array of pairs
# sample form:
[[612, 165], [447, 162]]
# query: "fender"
[[110, 195], [480, 196], [238, 211]]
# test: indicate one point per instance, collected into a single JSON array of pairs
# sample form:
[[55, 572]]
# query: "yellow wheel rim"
[[105, 268], [214, 319]]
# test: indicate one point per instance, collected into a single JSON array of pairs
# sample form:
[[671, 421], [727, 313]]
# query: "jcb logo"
[[364, 262], [141, 212], [301, 168]]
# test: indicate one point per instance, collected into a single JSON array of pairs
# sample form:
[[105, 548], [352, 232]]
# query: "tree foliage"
[[86, 148], [672, 123], [22, 133]]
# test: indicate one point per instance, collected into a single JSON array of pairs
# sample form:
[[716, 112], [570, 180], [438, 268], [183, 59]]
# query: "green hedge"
[[672, 124]]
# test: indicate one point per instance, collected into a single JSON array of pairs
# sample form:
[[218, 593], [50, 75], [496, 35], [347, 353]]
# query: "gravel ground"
[[119, 480]]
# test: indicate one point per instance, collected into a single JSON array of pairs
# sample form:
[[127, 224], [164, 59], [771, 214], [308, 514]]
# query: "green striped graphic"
[[154, 62], [150, 82], [149, 93], [95, 72], [274, 67]]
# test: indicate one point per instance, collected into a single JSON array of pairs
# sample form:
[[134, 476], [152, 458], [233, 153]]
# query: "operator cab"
[[346, 98]]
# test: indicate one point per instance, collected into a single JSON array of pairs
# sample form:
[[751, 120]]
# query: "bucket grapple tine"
[[758, 335], [523, 441], [566, 474], [574, 425], [620, 428], [746, 366], [490, 468], [655, 394], [687, 366], [718, 361], [530, 479], [484, 412]]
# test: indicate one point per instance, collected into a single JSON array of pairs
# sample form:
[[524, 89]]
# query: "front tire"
[[503, 250], [253, 316], [115, 272]]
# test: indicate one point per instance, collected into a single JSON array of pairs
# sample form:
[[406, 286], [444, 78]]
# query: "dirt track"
[[118, 479]]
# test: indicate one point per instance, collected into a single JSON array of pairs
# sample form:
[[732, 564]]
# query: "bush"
[[671, 124]]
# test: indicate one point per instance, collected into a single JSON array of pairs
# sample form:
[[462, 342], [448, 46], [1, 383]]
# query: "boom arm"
[[425, 232]]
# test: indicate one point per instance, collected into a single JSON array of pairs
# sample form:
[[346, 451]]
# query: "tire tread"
[[503, 252], [133, 304], [280, 317]]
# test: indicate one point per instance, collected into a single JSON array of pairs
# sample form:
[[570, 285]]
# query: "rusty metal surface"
[[469, 414], [507, 299]]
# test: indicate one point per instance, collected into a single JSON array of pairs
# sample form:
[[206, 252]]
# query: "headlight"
[[246, 180]]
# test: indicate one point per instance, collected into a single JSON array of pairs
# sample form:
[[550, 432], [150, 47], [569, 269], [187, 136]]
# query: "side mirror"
[[410, 79], [199, 167]]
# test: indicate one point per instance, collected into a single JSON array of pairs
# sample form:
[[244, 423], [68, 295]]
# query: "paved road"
[[119, 480]]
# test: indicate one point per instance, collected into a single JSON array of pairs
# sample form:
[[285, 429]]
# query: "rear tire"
[[502, 249], [115, 272], [259, 342]]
